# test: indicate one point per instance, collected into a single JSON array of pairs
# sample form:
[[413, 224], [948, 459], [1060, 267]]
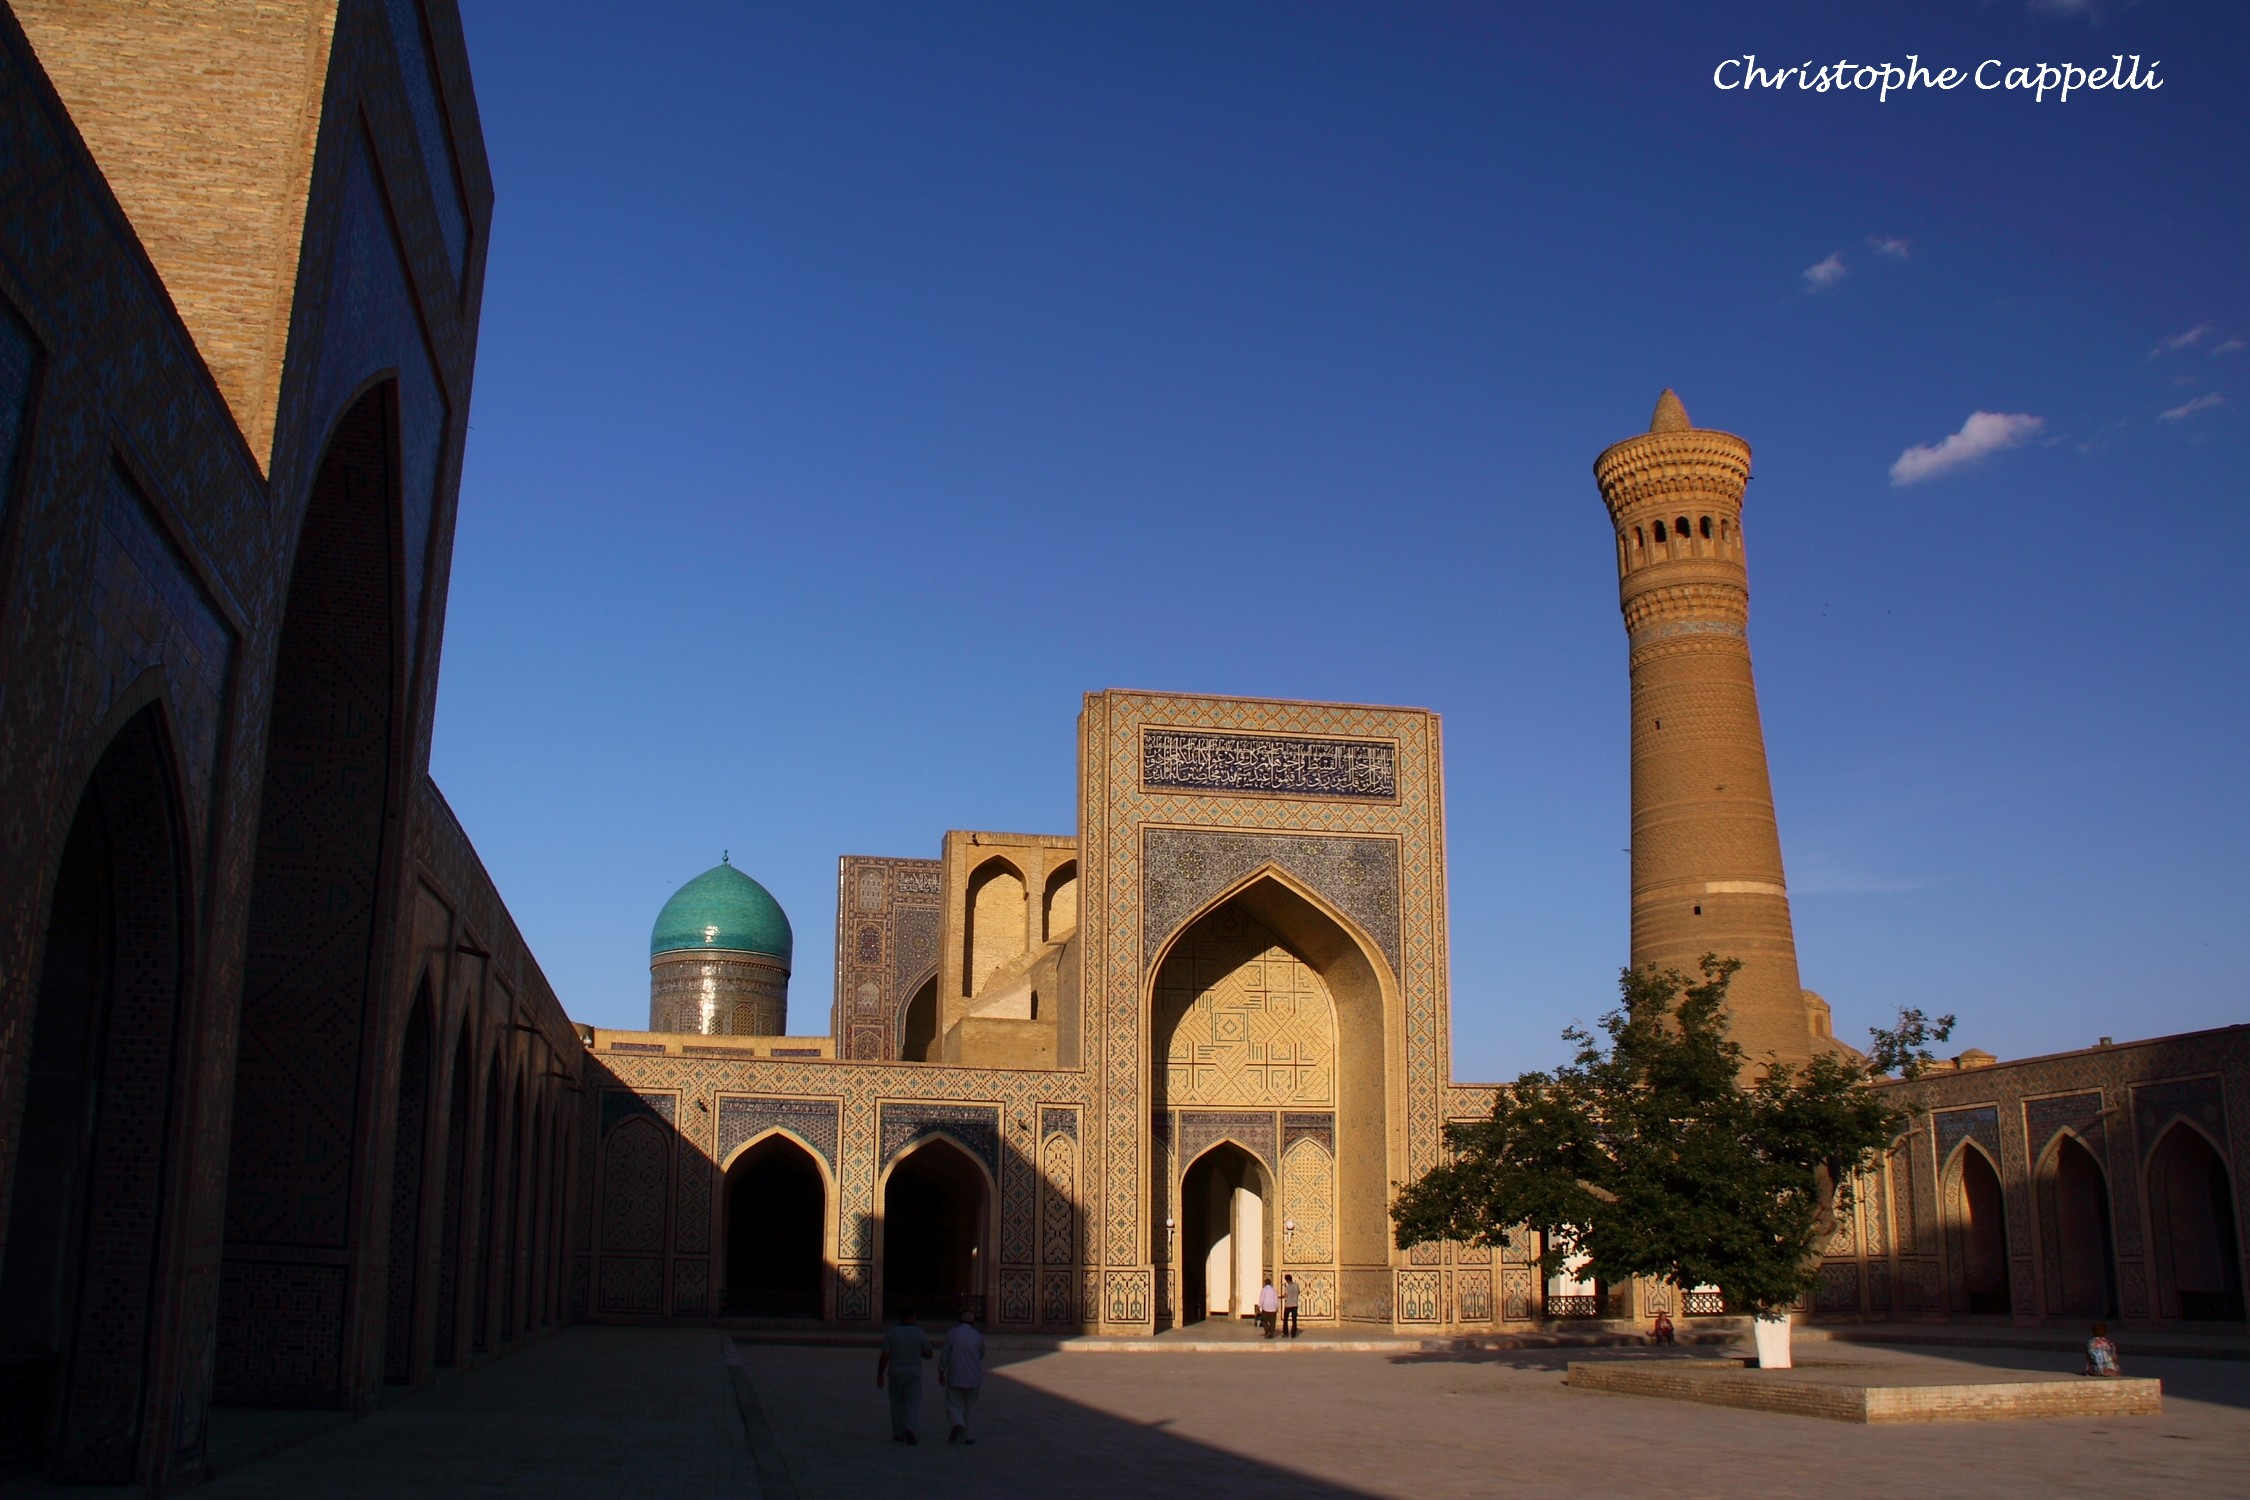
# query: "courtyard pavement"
[[1334, 1425], [631, 1412]]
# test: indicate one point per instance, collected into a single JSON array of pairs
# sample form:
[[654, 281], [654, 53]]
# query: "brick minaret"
[[1706, 852]]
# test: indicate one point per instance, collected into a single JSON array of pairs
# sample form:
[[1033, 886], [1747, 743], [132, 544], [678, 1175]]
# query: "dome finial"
[[725, 857], [1670, 416]]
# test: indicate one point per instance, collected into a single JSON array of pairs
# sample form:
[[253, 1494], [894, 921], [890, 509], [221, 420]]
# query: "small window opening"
[[1706, 528], [1682, 526], [1035, 996], [1699, 911], [1660, 533]]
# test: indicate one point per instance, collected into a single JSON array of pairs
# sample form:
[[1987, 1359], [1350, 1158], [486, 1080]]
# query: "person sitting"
[[1662, 1333], [2101, 1354]]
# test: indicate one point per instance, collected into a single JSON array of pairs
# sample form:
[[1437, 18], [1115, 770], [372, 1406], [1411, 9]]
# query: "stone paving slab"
[[582, 1414], [1439, 1425], [1874, 1393]]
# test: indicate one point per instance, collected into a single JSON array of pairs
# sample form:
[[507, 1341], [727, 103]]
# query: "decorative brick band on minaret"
[[1706, 851]]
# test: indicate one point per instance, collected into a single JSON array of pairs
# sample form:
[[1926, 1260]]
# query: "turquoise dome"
[[722, 908]]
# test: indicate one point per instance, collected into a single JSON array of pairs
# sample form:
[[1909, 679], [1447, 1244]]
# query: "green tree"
[[1652, 1153]]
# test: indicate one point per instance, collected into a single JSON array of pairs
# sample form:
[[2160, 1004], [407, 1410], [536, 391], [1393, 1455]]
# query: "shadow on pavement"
[[831, 1425]]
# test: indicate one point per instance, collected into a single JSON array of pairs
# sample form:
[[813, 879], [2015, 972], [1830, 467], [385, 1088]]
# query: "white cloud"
[[2199, 405], [1825, 275], [1985, 432], [2231, 346], [1897, 249], [2179, 341]]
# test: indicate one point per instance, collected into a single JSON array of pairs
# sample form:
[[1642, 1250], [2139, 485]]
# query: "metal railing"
[[1702, 1304]]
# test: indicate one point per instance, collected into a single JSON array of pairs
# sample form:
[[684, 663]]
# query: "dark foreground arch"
[[88, 1206]]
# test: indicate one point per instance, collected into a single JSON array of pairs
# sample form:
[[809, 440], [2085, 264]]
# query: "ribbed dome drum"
[[719, 958]]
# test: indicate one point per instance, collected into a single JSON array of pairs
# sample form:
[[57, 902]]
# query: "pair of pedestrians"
[[1282, 1301], [960, 1372]]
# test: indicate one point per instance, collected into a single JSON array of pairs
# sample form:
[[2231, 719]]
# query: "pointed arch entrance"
[[86, 1209], [2080, 1264], [776, 1230], [1227, 1228], [1977, 1234], [917, 1031], [454, 1207], [1272, 1024], [320, 903], [2191, 1207], [409, 1139], [937, 1206]]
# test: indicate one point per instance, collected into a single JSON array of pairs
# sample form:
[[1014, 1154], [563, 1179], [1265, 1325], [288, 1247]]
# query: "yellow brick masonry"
[[202, 115], [1706, 859]]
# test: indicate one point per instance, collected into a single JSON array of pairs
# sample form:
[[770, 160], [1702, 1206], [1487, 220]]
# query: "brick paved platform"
[[1874, 1393]]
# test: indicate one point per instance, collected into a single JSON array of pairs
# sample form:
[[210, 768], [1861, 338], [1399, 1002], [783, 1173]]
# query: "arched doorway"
[[917, 1032], [2075, 1234], [1060, 917], [511, 1232], [1226, 1234], [315, 955], [935, 1207], [454, 1207], [1270, 1021], [85, 1211], [487, 1254], [776, 1216], [1978, 1234], [2191, 1205], [410, 1126]]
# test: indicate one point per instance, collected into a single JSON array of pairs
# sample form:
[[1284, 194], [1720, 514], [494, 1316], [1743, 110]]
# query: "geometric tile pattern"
[[1308, 1198], [2081, 1113], [1247, 1021], [1120, 811], [1981, 1124], [813, 1121], [976, 1127], [146, 607], [1198, 1130], [887, 919], [865, 1098], [1186, 867], [2115, 1099]]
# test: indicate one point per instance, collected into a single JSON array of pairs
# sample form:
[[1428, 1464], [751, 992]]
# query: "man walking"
[[900, 1367], [1291, 1293], [960, 1370], [1269, 1303]]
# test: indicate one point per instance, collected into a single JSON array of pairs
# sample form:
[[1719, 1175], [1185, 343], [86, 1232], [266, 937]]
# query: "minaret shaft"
[[1706, 858]]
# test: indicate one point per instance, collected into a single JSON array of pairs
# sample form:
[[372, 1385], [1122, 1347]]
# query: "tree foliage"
[[1650, 1153], [1904, 1049]]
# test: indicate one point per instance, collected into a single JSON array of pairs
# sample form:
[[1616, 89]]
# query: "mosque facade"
[[291, 1118]]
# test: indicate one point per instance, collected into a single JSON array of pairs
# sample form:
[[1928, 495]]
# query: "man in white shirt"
[[961, 1371], [1269, 1303], [1291, 1295]]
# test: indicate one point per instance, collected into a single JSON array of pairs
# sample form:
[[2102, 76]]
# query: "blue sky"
[[860, 385]]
